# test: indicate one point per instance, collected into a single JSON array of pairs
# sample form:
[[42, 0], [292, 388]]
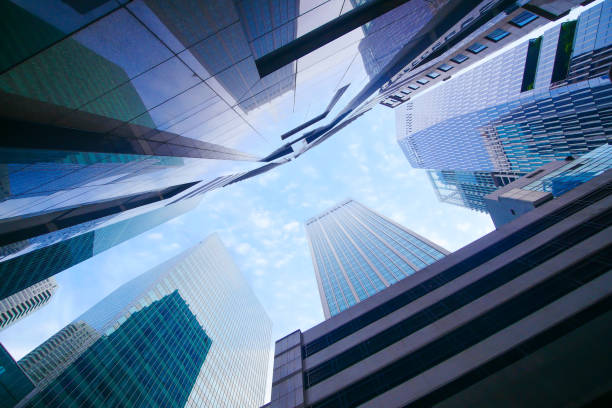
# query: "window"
[[497, 35], [433, 75], [413, 86], [565, 46], [459, 58], [523, 19], [445, 67], [476, 48], [531, 64], [448, 37], [422, 81]]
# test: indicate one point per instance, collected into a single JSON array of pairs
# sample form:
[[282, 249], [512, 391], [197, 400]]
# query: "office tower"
[[189, 332], [467, 188], [26, 301], [357, 252], [14, 383], [519, 317], [551, 180], [106, 136], [386, 35], [534, 103]]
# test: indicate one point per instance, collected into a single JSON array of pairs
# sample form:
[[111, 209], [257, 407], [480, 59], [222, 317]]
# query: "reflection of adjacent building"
[[14, 382], [52, 357], [106, 135], [189, 332], [387, 34], [22, 303], [520, 317], [543, 100], [357, 253]]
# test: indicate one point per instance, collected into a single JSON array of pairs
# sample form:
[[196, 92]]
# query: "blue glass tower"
[[189, 332], [545, 99], [357, 253]]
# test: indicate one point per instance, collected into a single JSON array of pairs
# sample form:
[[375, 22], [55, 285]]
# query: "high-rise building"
[[23, 303], [467, 188], [357, 252], [551, 180], [520, 317], [386, 35], [190, 332], [14, 383], [545, 99], [106, 136]]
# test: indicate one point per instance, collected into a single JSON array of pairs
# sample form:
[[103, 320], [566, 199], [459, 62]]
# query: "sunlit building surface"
[[190, 332], [520, 317], [106, 135], [357, 253], [21, 304], [544, 99]]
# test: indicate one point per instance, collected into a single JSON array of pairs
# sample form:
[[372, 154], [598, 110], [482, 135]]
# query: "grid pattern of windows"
[[357, 253], [189, 332], [26, 301], [505, 115]]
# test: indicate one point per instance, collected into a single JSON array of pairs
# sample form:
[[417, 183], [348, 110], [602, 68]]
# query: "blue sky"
[[261, 222]]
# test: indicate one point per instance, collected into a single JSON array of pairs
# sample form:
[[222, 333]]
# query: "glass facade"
[[357, 253], [575, 172], [97, 125], [545, 99], [189, 332], [467, 188]]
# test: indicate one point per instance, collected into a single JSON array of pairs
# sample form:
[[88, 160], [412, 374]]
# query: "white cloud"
[[243, 248], [170, 247], [310, 171], [155, 235], [268, 177], [259, 272], [291, 226], [261, 219], [464, 226]]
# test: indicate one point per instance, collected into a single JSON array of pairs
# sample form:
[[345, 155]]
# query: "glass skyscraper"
[[190, 332], [105, 136], [357, 253], [544, 99]]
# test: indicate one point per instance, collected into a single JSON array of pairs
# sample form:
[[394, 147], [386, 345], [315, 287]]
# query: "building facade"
[[519, 317], [551, 180], [23, 303], [189, 332], [357, 252], [544, 99]]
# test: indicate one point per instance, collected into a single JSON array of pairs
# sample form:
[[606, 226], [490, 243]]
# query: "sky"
[[261, 222]]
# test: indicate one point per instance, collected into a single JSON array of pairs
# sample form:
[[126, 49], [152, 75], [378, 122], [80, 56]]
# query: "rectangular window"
[[459, 58], [565, 46], [433, 75], [422, 81], [445, 67], [531, 64], [413, 86], [476, 48], [523, 19], [497, 35]]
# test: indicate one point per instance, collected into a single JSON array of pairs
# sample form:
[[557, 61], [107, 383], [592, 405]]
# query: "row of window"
[[495, 36]]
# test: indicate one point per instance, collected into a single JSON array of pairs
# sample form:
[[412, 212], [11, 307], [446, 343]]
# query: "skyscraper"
[[21, 304], [106, 136], [357, 253], [14, 383], [520, 317], [544, 99], [189, 332]]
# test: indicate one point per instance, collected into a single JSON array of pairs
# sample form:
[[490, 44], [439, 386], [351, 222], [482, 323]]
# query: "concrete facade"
[[527, 305]]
